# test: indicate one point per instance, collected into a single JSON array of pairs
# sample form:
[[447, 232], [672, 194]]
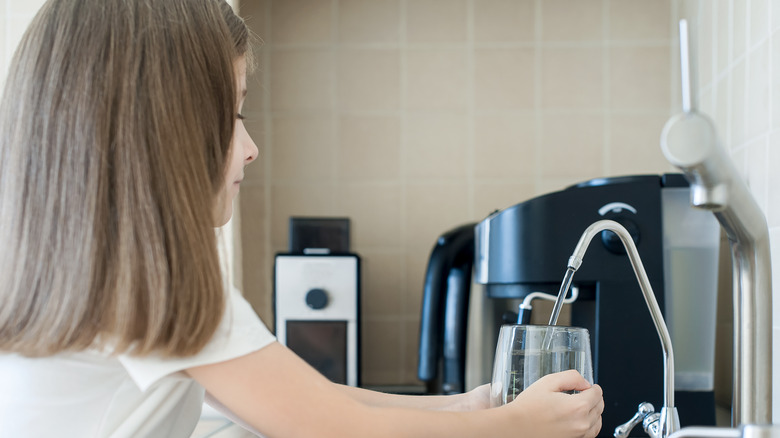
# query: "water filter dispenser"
[[691, 244], [524, 249]]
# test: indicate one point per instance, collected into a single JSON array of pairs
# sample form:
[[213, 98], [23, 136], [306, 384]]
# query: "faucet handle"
[[645, 409], [652, 424]]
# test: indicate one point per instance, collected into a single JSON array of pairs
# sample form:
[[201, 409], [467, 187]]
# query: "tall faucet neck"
[[575, 261], [690, 142]]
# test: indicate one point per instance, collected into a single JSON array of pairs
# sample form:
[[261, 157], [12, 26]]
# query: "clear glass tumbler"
[[527, 352]]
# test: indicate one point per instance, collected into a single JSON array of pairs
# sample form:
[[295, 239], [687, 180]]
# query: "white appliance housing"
[[317, 311]]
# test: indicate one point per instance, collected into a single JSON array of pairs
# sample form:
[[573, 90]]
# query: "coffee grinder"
[[317, 297]]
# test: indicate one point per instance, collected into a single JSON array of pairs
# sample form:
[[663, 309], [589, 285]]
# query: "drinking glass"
[[525, 353]]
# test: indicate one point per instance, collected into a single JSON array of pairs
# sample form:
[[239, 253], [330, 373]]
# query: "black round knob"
[[317, 298], [611, 240]]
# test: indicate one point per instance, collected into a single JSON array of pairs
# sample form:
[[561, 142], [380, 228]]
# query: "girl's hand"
[[478, 398], [548, 411]]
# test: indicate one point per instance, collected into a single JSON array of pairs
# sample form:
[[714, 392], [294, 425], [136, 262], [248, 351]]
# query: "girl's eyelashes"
[[240, 116]]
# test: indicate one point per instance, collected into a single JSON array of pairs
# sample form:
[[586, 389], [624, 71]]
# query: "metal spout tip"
[[709, 198]]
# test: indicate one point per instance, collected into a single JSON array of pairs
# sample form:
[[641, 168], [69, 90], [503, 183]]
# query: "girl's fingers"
[[570, 380]]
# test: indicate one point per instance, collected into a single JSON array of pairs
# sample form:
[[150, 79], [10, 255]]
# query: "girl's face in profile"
[[242, 152]]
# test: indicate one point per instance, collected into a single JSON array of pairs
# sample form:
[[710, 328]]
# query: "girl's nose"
[[251, 151]]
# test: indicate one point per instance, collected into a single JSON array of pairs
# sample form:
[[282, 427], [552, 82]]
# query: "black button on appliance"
[[317, 298]]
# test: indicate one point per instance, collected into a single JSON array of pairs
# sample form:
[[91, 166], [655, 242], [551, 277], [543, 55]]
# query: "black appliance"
[[442, 350], [525, 248]]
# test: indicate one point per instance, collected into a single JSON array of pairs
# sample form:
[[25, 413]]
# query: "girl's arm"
[[280, 395], [475, 399]]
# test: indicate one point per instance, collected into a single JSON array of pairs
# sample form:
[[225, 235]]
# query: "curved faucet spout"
[[669, 420]]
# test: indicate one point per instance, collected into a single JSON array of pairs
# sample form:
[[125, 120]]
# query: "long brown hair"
[[115, 127]]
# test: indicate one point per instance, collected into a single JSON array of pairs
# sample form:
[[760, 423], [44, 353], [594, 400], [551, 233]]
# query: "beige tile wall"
[[739, 87], [415, 116]]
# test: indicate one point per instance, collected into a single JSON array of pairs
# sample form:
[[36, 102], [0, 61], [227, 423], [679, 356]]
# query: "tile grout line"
[[714, 78], [6, 49], [538, 115], [335, 115], [770, 6], [729, 70], [267, 176], [674, 17], [403, 157], [606, 123], [749, 68], [566, 44], [471, 141]]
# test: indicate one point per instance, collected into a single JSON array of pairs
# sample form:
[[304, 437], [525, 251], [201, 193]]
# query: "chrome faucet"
[[657, 425], [690, 142]]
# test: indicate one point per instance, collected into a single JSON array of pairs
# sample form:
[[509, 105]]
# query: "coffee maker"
[[525, 248]]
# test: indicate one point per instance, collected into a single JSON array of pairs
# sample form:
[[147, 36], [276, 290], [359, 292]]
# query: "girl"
[[121, 148]]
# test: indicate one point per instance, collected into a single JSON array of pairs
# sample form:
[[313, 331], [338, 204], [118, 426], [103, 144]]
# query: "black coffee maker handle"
[[456, 241], [455, 317]]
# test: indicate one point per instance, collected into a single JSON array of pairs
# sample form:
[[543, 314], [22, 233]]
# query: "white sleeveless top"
[[90, 394]]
